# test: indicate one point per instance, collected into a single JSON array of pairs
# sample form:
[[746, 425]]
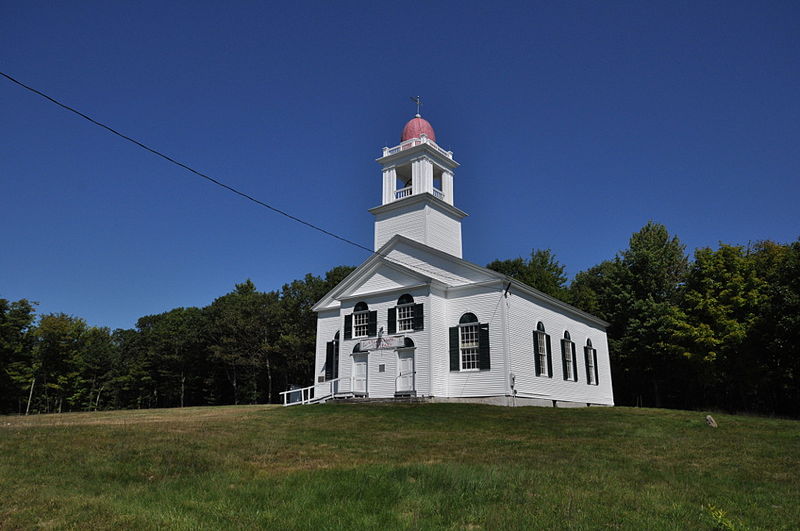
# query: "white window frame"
[[361, 320], [469, 349], [568, 360], [405, 317], [542, 354]]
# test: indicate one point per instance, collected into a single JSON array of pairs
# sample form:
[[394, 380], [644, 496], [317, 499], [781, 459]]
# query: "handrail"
[[306, 395]]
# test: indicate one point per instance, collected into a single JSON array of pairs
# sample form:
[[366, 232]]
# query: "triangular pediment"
[[382, 278]]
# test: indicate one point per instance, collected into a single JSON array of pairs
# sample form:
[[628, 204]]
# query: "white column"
[[422, 176], [416, 176], [447, 187], [389, 185]]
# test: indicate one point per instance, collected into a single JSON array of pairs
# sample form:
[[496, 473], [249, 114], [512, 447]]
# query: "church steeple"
[[417, 199]]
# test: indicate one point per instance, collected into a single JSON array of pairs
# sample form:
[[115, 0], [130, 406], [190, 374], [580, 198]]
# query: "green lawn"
[[343, 466]]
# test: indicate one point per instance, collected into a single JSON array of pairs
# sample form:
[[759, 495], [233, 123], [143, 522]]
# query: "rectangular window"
[[405, 318], [542, 354], [566, 348], [468, 347], [590, 366], [360, 324]]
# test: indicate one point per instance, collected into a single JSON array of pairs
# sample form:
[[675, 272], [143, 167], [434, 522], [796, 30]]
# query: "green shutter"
[[454, 361], [329, 361], [536, 353], [484, 361], [549, 357], [574, 363], [419, 317], [372, 324], [586, 353], [564, 359], [336, 358], [392, 324], [594, 356], [348, 326]]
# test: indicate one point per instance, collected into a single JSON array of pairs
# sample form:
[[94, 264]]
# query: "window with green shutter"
[[542, 357], [469, 345], [568, 364]]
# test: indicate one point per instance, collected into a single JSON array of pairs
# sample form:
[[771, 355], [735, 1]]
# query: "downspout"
[[506, 340], [428, 326]]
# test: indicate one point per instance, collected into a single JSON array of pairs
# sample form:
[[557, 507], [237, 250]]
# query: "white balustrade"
[[403, 192], [411, 142]]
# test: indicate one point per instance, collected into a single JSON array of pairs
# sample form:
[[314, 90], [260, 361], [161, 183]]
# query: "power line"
[[215, 181]]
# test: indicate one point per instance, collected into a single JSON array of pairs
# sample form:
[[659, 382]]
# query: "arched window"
[[568, 362], [542, 357], [590, 357], [468, 318], [469, 345], [402, 318], [357, 348], [405, 299], [408, 342], [361, 323]]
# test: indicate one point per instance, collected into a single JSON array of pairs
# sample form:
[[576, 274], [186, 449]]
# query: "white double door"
[[360, 373], [405, 371]]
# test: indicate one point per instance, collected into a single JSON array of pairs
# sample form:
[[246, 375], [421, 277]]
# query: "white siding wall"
[[434, 266], [328, 323], [382, 385], [385, 278], [524, 313], [437, 333], [481, 301], [408, 221], [420, 222], [443, 231]]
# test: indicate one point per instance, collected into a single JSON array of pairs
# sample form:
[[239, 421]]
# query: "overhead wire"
[[222, 184]]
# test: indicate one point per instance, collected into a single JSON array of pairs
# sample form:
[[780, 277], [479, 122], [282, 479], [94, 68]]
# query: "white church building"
[[417, 320]]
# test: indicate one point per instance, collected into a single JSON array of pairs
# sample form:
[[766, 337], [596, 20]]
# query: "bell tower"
[[417, 199]]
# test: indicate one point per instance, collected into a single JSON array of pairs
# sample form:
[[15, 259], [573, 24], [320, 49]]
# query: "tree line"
[[718, 330], [245, 347]]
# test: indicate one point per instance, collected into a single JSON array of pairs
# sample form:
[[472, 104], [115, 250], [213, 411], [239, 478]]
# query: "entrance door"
[[405, 367], [360, 373]]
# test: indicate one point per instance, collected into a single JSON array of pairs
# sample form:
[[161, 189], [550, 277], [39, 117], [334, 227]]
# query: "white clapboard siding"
[[382, 384], [385, 277], [524, 314], [482, 302], [435, 265], [423, 221], [408, 221], [327, 326], [437, 332]]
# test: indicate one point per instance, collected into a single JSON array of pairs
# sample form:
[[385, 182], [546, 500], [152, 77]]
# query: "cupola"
[[417, 199]]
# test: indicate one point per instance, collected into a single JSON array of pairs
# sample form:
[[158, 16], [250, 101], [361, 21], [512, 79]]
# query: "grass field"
[[457, 466]]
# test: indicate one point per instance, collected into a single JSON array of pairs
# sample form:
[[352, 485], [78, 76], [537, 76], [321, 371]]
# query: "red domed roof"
[[417, 126]]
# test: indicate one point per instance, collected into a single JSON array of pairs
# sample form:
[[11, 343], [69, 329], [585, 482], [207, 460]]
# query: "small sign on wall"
[[381, 343]]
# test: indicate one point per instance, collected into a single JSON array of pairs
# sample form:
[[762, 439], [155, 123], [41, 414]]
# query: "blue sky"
[[574, 122]]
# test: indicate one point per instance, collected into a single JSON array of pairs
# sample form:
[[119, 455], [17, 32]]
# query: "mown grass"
[[399, 466]]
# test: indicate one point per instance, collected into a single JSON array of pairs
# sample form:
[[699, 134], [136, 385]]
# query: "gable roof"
[[436, 274]]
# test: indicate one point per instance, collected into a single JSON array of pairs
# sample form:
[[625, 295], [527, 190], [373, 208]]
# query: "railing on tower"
[[411, 142]]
